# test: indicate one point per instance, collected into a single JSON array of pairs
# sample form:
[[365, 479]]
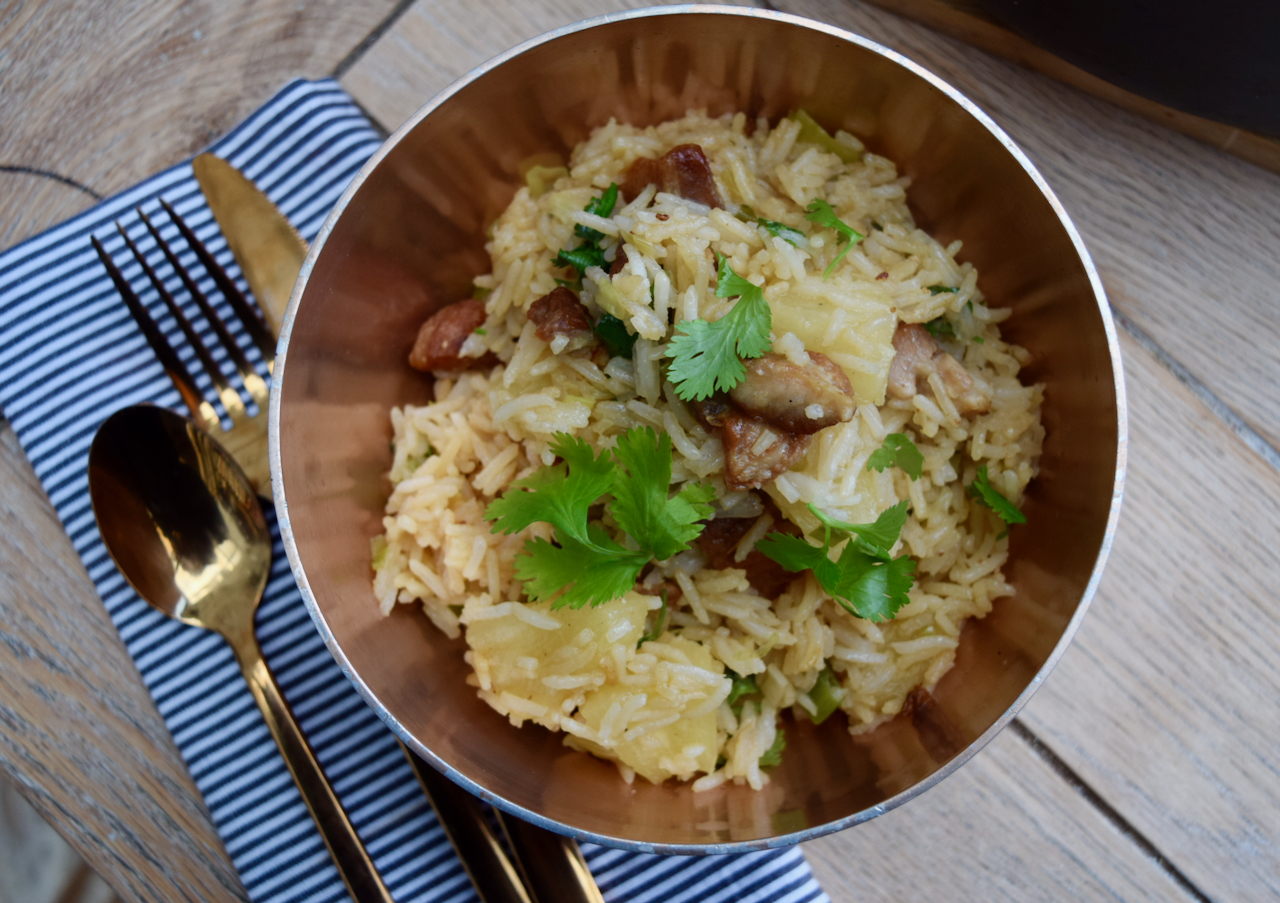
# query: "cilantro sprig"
[[864, 579], [584, 560], [708, 356], [820, 212], [982, 489], [589, 253], [782, 230], [898, 451]]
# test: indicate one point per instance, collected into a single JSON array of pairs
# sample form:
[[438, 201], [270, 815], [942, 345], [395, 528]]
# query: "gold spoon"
[[183, 524]]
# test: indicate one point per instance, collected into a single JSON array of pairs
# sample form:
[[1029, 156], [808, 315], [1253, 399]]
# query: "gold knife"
[[265, 244], [270, 253]]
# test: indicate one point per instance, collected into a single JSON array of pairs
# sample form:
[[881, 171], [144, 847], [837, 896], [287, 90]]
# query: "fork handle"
[[349, 854]]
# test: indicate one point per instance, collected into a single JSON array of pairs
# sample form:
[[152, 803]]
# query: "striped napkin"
[[70, 355]]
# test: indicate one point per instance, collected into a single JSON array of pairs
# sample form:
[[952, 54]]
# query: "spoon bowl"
[[183, 524]]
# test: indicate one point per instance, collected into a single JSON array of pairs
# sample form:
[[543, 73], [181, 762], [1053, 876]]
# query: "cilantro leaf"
[[864, 579], [878, 538], [785, 232], [585, 560], [708, 356], [872, 588], [982, 489], [592, 574], [898, 451], [617, 339], [601, 206], [558, 495], [581, 257], [660, 525], [773, 755], [939, 289], [821, 212]]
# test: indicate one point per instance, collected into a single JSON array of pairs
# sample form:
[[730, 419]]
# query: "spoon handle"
[[354, 864]]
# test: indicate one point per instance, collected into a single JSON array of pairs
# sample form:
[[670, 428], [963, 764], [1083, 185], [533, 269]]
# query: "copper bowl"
[[408, 236]]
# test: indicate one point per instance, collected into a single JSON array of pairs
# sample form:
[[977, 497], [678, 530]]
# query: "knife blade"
[[270, 253], [268, 249]]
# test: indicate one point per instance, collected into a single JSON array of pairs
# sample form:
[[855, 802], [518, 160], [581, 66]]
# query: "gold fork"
[[247, 437]]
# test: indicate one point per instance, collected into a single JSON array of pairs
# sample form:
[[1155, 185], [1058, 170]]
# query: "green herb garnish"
[[939, 289], [584, 560], [618, 341], [783, 231], [601, 206], [898, 451], [589, 253], [982, 489], [480, 330], [821, 212], [864, 579], [708, 356], [585, 255]]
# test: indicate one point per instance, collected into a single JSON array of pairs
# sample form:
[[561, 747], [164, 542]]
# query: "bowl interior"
[[410, 236]]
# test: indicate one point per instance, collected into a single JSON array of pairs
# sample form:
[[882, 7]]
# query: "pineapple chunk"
[[680, 749], [850, 322], [520, 655]]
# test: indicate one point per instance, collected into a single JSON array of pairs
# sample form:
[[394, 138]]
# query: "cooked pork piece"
[[795, 398], [683, 170], [917, 356], [440, 338], [560, 313], [755, 452]]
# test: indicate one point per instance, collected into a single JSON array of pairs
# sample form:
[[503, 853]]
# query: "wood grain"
[[109, 93], [1166, 702], [79, 734], [1002, 828], [433, 44]]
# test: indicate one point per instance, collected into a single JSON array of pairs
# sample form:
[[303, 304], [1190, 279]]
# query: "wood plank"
[[1166, 702], [177, 75], [80, 735], [970, 24], [1002, 828], [433, 44]]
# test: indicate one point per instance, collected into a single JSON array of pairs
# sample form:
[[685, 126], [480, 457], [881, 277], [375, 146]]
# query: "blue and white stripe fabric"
[[70, 355]]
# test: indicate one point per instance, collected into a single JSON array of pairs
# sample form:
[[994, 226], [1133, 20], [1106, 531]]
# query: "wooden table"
[[1147, 765]]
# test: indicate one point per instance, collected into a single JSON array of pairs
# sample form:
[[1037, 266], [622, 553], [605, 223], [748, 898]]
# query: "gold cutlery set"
[[180, 514]]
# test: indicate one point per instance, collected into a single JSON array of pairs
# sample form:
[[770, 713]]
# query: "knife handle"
[[552, 865], [464, 821]]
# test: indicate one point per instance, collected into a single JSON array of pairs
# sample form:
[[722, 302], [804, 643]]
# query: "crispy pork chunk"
[[560, 313], [755, 452], [795, 398], [440, 338], [918, 355], [683, 170]]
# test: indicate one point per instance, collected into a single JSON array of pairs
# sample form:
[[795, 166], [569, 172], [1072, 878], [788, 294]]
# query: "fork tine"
[[254, 383], [247, 312], [176, 370], [231, 399]]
